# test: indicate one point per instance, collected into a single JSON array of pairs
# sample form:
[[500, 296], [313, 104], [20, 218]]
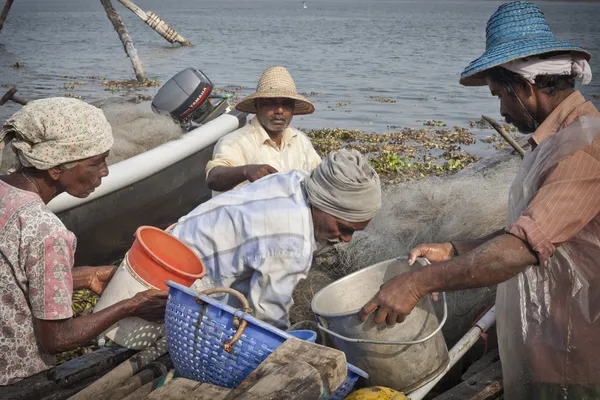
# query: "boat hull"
[[105, 226]]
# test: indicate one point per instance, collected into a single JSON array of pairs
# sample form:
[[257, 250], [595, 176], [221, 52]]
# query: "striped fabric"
[[257, 239], [569, 198], [549, 315]]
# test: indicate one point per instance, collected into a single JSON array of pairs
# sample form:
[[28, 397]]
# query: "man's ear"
[[528, 88], [54, 172]]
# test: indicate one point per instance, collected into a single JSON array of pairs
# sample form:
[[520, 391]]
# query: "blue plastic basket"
[[345, 388], [196, 333]]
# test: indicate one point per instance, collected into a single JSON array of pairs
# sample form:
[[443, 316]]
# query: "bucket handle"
[[240, 325], [404, 343]]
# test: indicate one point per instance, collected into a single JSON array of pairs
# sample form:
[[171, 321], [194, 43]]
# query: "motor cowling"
[[185, 97]]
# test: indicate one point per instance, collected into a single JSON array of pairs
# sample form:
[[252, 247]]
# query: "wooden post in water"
[[155, 22], [119, 26], [5, 11]]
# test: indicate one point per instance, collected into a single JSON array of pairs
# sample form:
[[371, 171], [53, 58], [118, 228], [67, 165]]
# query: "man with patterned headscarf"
[[546, 261], [267, 144], [60, 145], [260, 238]]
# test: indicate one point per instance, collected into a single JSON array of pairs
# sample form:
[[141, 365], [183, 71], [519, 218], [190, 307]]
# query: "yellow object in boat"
[[376, 393]]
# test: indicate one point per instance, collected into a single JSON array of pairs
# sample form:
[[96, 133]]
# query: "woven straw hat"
[[276, 82], [516, 30]]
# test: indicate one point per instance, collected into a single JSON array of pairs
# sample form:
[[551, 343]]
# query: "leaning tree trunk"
[[5, 12], [119, 26], [155, 22]]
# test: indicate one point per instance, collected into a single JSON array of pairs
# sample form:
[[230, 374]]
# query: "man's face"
[[510, 108], [330, 230], [275, 114]]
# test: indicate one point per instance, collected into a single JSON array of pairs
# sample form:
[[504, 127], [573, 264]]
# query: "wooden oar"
[[505, 135]]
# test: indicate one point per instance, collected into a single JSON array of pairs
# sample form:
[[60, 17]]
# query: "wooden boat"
[[153, 188]]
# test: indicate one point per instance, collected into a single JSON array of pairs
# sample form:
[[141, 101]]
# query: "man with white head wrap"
[[260, 238], [61, 145]]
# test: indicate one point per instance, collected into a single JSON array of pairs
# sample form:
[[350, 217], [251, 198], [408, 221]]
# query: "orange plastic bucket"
[[157, 257]]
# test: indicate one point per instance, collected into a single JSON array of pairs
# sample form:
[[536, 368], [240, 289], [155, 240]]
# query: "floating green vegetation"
[[141, 98], [382, 99], [73, 96], [115, 86], [405, 154], [433, 122], [17, 64], [498, 141], [483, 124], [343, 104], [71, 85]]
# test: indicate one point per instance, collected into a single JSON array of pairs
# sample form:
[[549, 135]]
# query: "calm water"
[[343, 50]]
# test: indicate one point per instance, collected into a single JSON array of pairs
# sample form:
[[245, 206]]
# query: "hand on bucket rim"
[[394, 301], [396, 298]]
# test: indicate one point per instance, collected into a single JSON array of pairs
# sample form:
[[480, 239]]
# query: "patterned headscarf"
[[50, 132], [346, 186]]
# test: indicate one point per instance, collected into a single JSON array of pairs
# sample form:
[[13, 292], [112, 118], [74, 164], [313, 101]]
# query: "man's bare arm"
[[222, 179], [464, 246], [494, 262]]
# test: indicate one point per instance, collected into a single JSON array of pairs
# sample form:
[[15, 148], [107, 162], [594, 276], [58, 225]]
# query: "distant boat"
[[304, 4]]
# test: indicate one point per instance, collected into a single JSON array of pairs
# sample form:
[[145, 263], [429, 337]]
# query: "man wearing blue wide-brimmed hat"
[[546, 261]]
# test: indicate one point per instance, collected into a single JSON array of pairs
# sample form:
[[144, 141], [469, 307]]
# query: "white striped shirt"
[[258, 239]]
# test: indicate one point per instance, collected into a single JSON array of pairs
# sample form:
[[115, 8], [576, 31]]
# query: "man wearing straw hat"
[[268, 144], [260, 239], [546, 261]]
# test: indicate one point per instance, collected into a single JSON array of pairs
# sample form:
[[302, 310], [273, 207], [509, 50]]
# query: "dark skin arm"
[[438, 252], [94, 278], [464, 246], [491, 263], [67, 334], [222, 179]]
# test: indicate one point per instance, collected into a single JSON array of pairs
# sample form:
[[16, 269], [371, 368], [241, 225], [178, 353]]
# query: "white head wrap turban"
[[346, 186], [572, 65], [49, 132]]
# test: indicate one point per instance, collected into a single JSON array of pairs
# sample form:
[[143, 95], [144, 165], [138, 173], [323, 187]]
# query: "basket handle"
[[240, 325], [404, 343]]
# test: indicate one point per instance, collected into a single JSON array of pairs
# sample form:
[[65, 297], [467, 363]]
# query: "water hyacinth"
[[404, 154]]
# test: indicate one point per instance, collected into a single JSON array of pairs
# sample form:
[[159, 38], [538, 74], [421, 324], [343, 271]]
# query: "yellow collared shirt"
[[251, 144]]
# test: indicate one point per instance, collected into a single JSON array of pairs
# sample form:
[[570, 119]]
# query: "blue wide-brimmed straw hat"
[[516, 30]]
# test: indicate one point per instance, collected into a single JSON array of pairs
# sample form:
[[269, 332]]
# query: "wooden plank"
[[297, 380], [186, 389], [485, 385], [59, 382], [102, 388], [330, 363], [145, 390], [210, 392], [488, 359]]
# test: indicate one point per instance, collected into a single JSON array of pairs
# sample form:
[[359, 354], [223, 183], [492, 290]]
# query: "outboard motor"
[[186, 98]]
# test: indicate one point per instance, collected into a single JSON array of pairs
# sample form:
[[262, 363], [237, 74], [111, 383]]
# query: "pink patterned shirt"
[[36, 257]]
